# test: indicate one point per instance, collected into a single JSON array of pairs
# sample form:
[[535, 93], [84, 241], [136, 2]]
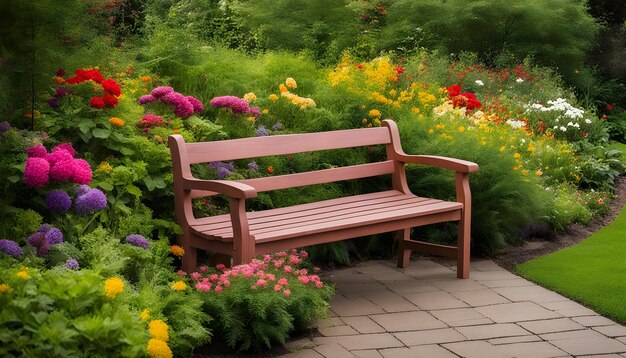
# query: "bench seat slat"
[[326, 216], [244, 148], [310, 178]]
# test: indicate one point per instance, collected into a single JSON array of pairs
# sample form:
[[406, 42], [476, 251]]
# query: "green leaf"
[[126, 151], [149, 183], [86, 125], [85, 136], [133, 190], [101, 133], [105, 185]]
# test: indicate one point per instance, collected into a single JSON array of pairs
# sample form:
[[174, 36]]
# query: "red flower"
[[109, 100], [453, 90], [604, 116], [96, 102], [111, 87], [60, 72], [359, 66], [399, 70], [82, 75], [609, 107]]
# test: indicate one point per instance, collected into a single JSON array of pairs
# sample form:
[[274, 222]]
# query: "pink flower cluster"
[[58, 165], [150, 120], [270, 272], [184, 106], [235, 104]]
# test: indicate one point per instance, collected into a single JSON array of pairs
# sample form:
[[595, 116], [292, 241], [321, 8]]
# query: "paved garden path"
[[424, 311]]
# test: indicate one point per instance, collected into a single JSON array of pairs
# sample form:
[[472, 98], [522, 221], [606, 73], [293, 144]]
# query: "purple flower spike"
[[72, 264], [58, 202], [92, 201], [262, 132], [277, 127], [253, 166], [54, 102], [137, 240], [10, 248], [222, 172], [4, 126]]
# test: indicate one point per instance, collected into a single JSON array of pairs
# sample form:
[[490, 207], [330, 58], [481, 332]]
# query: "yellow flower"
[[158, 330], [249, 97], [265, 111], [105, 167], [177, 250], [524, 172], [251, 119], [431, 131], [461, 129], [291, 83], [440, 126], [273, 97], [374, 113], [531, 148], [364, 120], [5, 288], [23, 274], [502, 149], [282, 88], [113, 287], [144, 315], [116, 122], [377, 122], [517, 155], [159, 349], [179, 286], [392, 93], [415, 110]]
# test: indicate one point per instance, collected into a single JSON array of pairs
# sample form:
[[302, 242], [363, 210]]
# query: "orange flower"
[[539, 172], [282, 88], [270, 169], [59, 80], [177, 250], [175, 130], [116, 122]]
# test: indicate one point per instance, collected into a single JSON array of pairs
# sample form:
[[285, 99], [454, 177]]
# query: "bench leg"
[[463, 250], [403, 254], [189, 259]]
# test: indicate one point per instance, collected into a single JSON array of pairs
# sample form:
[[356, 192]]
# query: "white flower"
[[570, 124], [519, 80], [563, 129], [587, 120], [516, 124], [479, 82]]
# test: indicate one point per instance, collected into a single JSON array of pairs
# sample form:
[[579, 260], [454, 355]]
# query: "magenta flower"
[[59, 155], [65, 146], [197, 105], [235, 104], [36, 172], [82, 172], [63, 170], [36, 151], [159, 92], [150, 120], [147, 99]]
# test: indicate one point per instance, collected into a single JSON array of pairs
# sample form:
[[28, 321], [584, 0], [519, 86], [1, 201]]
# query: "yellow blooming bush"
[[113, 287]]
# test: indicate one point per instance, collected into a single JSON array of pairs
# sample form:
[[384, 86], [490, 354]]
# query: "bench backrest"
[[185, 154]]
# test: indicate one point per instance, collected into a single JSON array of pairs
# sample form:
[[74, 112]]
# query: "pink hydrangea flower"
[[287, 292], [218, 289], [213, 277], [294, 251], [303, 279], [65, 146], [271, 277], [304, 254], [278, 263], [195, 276], [82, 172], [36, 172], [200, 286], [294, 260], [204, 268], [181, 273], [261, 282], [147, 99], [314, 278], [304, 272], [235, 104], [59, 155], [63, 170], [267, 257], [319, 284], [221, 267], [161, 91], [283, 281], [287, 269], [36, 151], [197, 105], [278, 288], [226, 283]]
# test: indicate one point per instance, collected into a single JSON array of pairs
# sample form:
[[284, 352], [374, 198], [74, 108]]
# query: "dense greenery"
[[92, 89]]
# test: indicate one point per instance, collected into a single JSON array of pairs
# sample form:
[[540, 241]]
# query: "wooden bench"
[[243, 235]]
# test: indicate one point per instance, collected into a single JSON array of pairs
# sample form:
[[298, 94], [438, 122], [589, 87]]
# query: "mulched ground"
[[515, 255]]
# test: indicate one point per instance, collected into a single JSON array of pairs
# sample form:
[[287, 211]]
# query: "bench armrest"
[[458, 165], [229, 188]]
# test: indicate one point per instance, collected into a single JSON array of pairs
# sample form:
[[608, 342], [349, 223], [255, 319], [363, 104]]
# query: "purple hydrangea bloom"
[[222, 172], [159, 92], [253, 166], [91, 201], [72, 264], [54, 102], [58, 201], [82, 190], [54, 236], [147, 99], [262, 132], [40, 243], [10, 248], [277, 127], [62, 91], [137, 240], [197, 105], [4, 126], [237, 105], [44, 228]]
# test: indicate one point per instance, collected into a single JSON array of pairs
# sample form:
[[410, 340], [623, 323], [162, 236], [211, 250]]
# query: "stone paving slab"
[[425, 311]]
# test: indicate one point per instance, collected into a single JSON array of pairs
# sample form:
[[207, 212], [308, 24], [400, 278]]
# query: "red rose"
[[609, 107], [399, 70], [94, 75], [454, 90], [109, 100], [96, 102], [111, 87]]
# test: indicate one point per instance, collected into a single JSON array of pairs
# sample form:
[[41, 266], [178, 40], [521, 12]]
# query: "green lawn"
[[592, 272]]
